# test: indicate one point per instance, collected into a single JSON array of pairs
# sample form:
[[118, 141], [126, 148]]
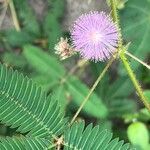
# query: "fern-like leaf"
[[25, 106], [16, 143], [78, 138]]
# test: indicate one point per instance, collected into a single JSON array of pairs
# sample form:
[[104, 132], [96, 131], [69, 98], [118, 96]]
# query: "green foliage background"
[[114, 105]]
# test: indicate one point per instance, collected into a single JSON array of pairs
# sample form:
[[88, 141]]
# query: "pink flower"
[[95, 36]]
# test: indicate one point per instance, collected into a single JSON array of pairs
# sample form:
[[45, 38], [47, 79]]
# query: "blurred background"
[[29, 31]]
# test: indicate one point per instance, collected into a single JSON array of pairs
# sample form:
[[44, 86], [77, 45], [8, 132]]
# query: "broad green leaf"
[[52, 26], [103, 86], [15, 38], [57, 7], [135, 23], [52, 30], [29, 26], [27, 17], [120, 107], [94, 106], [43, 63], [59, 93], [122, 87], [44, 81], [138, 135], [14, 59]]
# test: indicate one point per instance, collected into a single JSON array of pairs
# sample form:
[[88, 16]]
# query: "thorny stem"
[[134, 81], [116, 20], [138, 60], [114, 11], [14, 15], [125, 61], [93, 88]]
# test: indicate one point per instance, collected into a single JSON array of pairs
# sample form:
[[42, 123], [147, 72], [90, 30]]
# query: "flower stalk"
[[93, 87]]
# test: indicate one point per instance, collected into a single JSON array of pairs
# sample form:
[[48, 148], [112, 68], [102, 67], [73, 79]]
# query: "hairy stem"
[[14, 15], [134, 81], [114, 11], [93, 88], [115, 17], [124, 59]]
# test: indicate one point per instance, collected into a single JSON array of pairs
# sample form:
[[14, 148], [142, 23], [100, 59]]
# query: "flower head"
[[63, 49], [95, 36]]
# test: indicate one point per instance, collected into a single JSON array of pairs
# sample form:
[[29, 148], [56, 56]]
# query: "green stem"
[[115, 17], [124, 59], [14, 15], [134, 81], [93, 87], [114, 11]]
